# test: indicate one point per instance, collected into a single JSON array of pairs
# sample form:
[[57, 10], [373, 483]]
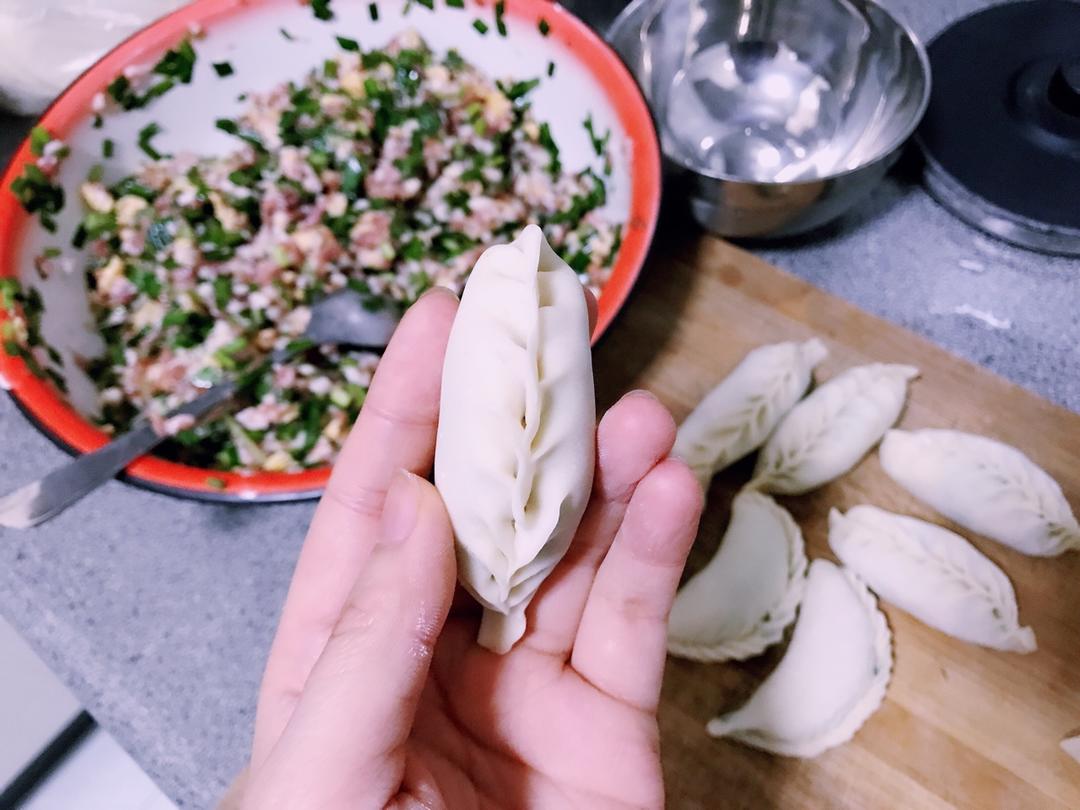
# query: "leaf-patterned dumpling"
[[831, 679], [1071, 746], [985, 486], [739, 414], [515, 446], [827, 433], [933, 574], [741, 601]]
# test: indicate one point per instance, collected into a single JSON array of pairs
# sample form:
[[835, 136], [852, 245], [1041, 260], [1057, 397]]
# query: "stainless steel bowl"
[[777, 115]]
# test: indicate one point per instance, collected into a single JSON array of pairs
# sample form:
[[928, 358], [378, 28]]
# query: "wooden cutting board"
[[962, 726]]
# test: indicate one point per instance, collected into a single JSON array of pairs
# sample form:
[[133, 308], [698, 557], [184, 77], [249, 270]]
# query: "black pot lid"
[[1001, 135]]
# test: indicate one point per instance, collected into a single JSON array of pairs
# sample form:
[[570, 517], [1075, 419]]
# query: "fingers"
[[395, 430], [399, 414], [343, 745], [593, 307], [621, 642], [634, 435]]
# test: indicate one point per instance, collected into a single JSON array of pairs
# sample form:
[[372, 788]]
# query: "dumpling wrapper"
[[1071, 746], [738, 415], [935, 575], [985, 486], [741, 601], [515, 446], [828, 433], [832, 677]]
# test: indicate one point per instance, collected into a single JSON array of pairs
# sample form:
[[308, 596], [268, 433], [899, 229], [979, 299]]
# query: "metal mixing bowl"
[[777, 115]]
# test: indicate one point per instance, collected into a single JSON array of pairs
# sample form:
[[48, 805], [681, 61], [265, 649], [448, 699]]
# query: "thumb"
[[344, 745]]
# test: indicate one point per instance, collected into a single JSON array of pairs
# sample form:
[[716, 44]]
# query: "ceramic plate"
[[268, 43]]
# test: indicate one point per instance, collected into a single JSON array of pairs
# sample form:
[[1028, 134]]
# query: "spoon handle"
[[59, 489], [338, 318]]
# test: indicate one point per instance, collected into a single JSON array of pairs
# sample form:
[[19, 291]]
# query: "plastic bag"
[[46, 44]]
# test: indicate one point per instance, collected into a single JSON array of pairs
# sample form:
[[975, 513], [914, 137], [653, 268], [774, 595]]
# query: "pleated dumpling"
[[831, 679], [933, 574], [827, 433], [514, 454], [741, 601], [985, 486], [1071, 746], [738, 415]]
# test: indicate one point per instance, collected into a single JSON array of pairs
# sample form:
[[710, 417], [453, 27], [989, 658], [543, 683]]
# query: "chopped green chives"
[[39, 195], [39, 137], [373, 11], [599, 144], [544, 27], [348, 44], [480, 26], [223, 69], [146, 134], [108, 148]]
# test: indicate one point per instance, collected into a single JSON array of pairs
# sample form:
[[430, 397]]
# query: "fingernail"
[[400, 508], [437, 289], [641, 392]]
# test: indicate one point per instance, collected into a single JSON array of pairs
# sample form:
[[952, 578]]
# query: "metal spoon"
[[338, 318]]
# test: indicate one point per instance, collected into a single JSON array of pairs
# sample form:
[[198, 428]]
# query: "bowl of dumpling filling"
[[175, 214]]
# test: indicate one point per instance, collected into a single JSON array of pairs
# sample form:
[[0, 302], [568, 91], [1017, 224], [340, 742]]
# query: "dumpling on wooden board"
[[985, 486], [933, 574], [515, 445], [828, 433], [738, 415], [1071, 746], [741, 601], [832, 677]]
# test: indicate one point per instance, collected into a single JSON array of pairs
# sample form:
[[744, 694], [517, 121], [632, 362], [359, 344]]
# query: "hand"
[[376, 693]]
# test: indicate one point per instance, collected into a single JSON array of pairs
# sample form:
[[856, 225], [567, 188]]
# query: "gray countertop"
[[158, 612]]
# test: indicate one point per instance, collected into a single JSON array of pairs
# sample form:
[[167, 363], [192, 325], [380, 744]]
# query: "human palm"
[[526, 730], [376, 693]]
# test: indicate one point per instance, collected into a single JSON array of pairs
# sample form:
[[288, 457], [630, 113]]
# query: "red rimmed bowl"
[[589, 79]]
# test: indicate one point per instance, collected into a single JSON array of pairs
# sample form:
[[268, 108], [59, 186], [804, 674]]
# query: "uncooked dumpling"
[[827, 433], [1071, 746], [739, 414], [830, 680], [985, 486], [935, 575], [740, 602], [514, 454]]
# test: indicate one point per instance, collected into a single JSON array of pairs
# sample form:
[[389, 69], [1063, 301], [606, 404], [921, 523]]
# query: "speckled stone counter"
[[158, 612]]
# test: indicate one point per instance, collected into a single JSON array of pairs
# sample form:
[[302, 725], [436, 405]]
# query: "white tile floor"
[[99, 775], [34, 707]]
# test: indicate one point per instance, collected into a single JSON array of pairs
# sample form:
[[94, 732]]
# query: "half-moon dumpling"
[[830, 680], [985, 486], [827, 433], [515, 446], [739, 414], [1071, 746], [933, 574], [741, 601]]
